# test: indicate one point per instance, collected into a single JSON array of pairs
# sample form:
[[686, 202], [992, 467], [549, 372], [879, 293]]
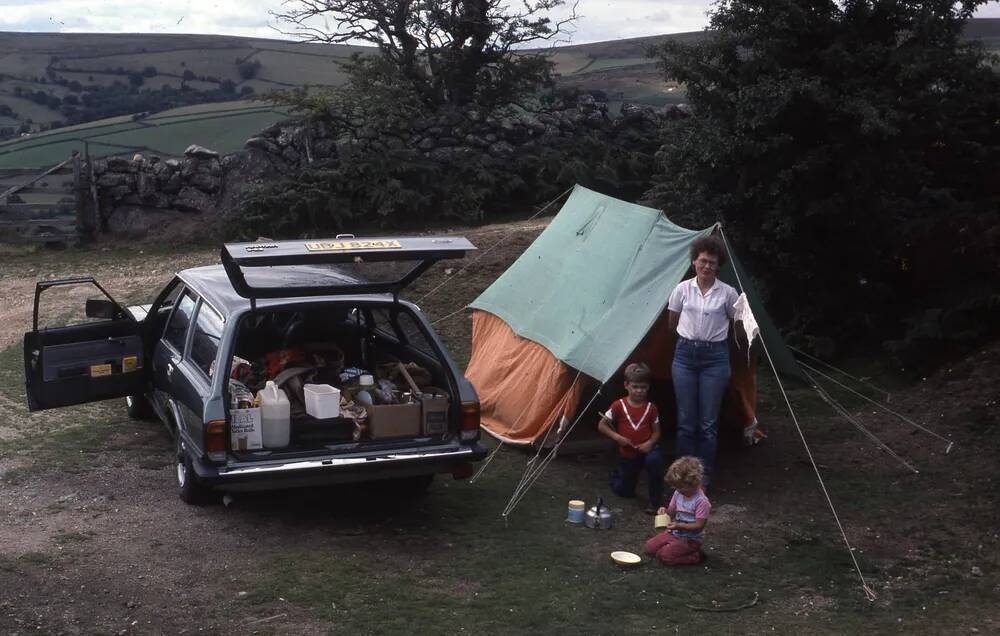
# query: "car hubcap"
[[181, 473]]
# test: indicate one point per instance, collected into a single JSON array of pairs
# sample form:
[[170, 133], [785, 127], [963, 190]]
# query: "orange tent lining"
[[523, 389]]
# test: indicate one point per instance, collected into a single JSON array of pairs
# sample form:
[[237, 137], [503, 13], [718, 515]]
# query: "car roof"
[[212, 283]]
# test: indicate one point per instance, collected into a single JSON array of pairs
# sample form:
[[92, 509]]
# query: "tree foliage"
[[248, 69], [453, 52], [850, 148]]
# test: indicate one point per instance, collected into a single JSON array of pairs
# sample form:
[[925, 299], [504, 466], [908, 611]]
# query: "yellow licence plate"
[[350, 246]]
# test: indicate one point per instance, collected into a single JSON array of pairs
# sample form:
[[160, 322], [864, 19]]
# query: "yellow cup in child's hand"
[[661, 521]]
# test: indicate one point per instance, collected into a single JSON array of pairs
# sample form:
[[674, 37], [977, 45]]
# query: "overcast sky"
[[602, 19]]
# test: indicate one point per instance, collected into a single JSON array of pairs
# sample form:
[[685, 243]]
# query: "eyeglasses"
[[706, 263]]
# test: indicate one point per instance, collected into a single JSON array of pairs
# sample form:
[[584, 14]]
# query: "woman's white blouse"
[[703, 316]]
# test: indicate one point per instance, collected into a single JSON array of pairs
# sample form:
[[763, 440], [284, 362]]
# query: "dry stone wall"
[[136, 195]]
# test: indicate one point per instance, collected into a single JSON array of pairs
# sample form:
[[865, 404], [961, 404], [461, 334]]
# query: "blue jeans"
[[623, 483], [701, 374]]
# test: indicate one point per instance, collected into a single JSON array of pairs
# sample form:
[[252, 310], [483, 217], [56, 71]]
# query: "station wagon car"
[[175, 360]]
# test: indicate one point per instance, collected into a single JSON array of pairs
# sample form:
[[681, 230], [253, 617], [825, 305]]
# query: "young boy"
[[634, 424], [680, 543]]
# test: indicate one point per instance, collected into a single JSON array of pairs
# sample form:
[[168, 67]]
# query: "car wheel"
[[138, 407], [190, 489]]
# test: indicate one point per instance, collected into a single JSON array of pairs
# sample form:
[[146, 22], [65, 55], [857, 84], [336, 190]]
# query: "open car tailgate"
[[276, 269]]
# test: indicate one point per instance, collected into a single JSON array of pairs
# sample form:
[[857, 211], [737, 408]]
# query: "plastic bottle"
[[275, 416]]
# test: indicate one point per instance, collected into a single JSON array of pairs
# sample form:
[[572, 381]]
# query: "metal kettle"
[[599, 516]]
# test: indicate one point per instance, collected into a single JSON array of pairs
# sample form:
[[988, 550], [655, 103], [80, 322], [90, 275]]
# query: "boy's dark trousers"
[[624, 480]]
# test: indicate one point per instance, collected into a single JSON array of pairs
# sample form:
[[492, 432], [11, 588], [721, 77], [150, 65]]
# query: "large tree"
[[851, 148], [450, 51]]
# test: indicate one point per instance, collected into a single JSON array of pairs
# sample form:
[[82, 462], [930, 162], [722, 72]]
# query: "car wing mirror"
[[102, 308]]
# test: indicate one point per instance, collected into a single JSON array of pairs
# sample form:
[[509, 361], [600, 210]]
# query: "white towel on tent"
[[743, 314]]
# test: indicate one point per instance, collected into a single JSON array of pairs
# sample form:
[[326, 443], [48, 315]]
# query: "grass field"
[[90, 515], [26, 58], [222, 127]]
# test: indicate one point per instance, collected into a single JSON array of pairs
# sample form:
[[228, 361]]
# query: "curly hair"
[[638, 372], [685, 472], [711, 245]]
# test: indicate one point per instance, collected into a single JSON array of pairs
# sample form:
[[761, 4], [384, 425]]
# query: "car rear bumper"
[[268, 475]]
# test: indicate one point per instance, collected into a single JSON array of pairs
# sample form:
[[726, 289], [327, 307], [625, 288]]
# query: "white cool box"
[[322, 401]]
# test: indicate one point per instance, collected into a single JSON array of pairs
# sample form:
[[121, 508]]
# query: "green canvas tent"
[[589, 295]]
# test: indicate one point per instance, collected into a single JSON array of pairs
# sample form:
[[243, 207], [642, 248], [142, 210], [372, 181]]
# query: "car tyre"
[[190, 489], [138, 407]]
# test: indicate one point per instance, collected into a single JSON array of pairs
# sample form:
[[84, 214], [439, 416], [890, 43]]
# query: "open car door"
[[97, 359], [343, 265]]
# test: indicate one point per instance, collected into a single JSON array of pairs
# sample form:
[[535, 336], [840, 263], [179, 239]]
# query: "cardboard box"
[[393, 420], [245, 429], [434, 411]]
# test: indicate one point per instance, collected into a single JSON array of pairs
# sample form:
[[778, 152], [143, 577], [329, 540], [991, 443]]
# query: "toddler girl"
[[680, 543]]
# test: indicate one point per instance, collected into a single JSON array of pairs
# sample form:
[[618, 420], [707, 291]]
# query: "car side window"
[[74, 304], [382, 320], [206, 338], [176, 331], [413, 333]]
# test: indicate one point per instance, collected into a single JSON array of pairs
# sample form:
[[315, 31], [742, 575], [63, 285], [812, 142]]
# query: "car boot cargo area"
[[332, 378]]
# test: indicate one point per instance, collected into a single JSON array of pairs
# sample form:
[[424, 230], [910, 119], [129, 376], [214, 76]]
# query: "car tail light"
[[470, 421], [215, 439]]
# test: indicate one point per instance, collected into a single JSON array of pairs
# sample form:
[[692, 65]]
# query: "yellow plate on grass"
[[625, 558]]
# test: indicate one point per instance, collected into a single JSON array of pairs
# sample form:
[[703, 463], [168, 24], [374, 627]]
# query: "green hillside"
[[48, 80], [222, 127]]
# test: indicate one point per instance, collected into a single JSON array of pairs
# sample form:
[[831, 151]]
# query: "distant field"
[[221, 127], [41, 61], [216, 62], [27, 109]]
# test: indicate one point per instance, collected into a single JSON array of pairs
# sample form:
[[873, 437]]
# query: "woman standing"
[[701, 311]]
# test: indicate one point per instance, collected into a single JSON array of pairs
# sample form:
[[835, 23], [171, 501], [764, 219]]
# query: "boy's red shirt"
[[632, 422]]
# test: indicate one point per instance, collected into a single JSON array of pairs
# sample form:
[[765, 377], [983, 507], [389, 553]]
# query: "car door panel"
[[85, 362], [92, 358]]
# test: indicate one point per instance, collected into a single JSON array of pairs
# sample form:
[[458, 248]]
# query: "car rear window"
[[176, 331], [206, 338]]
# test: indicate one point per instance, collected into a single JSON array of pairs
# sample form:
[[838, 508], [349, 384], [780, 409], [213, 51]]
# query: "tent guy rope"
[[496, 450], [882, 406], [869, 592], [531, 472], [887, 395], [530, 475], [517, 497], [487, 251], [836, 406]]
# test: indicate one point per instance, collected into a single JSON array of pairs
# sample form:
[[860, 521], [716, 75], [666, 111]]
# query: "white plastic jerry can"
[[275, 416]]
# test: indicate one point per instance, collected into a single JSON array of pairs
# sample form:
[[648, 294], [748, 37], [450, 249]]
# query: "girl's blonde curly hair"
[[685, 472]]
